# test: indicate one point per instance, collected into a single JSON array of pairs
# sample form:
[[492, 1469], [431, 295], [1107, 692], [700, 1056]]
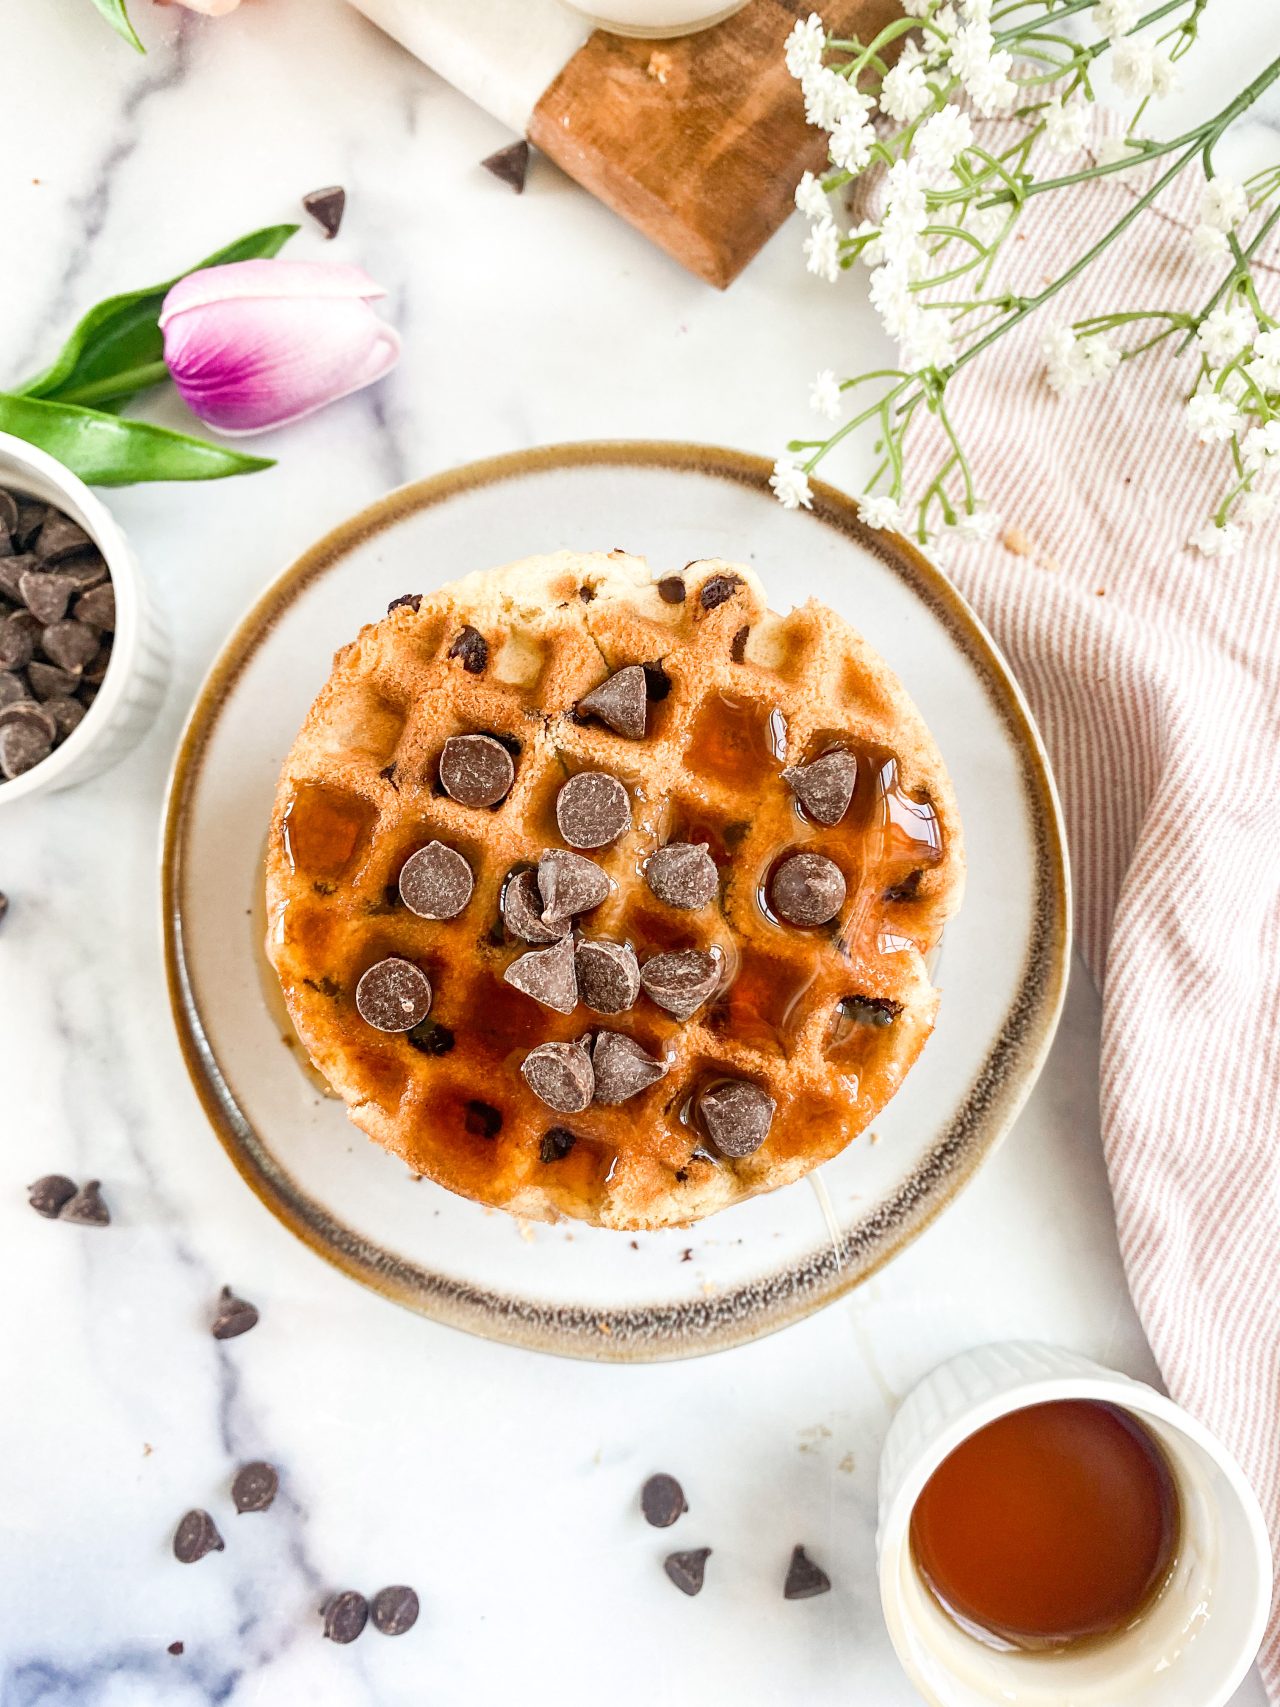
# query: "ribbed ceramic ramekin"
[[133, 688]]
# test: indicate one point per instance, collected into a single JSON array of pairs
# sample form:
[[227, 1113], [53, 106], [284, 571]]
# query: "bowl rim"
[[638, 1334], [107, 535]]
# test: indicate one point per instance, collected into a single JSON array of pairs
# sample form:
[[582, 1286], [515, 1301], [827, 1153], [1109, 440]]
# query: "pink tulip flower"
[[258, 343], [211, 8]]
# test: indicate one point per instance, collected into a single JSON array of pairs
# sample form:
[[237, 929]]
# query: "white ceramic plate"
[[573, 1289]]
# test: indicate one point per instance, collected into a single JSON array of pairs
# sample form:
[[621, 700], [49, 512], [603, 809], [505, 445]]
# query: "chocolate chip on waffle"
[[694, 924]]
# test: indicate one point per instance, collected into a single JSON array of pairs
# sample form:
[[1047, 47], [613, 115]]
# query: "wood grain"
[[699, 142]]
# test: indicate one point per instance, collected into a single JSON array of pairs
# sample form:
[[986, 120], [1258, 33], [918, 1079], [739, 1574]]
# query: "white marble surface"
[[503, 1485]]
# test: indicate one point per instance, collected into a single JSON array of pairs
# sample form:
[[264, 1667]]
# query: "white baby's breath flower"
[[983, 69], [1224, 204], [1215, 541], [805, 46], [1209, 244], [871, 253], [1261, 445], [987, 223], [1099, 355], [918, 8], [1073, 363], [1166, 79], [977, 11], [851, 143], [1133, 65], [892, 299], [975, 527], [790, 484], [942, 139], [822, 250], [811, 198], [1255, 506], [824, 395], [946, 19], [929, 341], [1116, 18], [1264, 369], [1224, 333], [1065, 126], [1212, 417], [905, 92], [878, 510], [1112, 150]]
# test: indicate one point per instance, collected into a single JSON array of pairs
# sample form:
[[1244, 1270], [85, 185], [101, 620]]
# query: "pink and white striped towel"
[[1155, 675]]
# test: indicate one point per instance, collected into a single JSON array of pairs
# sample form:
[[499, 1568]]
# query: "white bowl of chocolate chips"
[[82, 664]]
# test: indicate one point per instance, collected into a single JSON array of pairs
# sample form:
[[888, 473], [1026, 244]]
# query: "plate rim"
[[642, 1333]]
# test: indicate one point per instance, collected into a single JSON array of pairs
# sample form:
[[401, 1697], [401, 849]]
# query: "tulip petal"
[[211, 8], [268, 279]]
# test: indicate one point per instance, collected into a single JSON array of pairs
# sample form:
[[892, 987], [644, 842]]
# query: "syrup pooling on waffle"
[[728, 1045]]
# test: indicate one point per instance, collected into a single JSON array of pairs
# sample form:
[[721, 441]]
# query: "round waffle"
[[820, 1020]]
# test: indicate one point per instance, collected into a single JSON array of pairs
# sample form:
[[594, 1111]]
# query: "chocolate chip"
[[568, 885], [19, 633], [473, 649], [825, 787], [87, 570], [738, 646], [482, 1119], [662, 1501], [807, 889], [47, 594], [804, 1578], [436, 882], [412, 600], [8, 510], [736, 1115], [908, 889], [255, 1487], [60, 537], [175, 1648], [476, 770], [29, 714], [429, 1037], [67, 714], [522, 909], [96, 668], [12, 686], [622, 1069], [345, 1616], [97, 607], [683, 874], [233, 1317], [621, 701], [49, 682], [560, 1075], [672, 590], [12, 569], [869, 1010], [687, 1570], [393, 995], [657, 683], [48, 1195], [195, 1537], [548, 975], [681, 982], [71, 645], [86, 1208], [586, 594], [608, 976], [592, 810], [510, 164], [31, 518], [718, 589], [557, 1142], [395, 1610], [22, 747], [326, 207]]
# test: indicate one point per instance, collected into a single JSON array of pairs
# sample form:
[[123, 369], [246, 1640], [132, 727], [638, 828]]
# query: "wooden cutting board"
[[697, 142]]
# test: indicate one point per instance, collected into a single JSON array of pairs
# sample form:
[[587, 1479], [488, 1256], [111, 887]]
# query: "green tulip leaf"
[[117, 349], [114, 12], [107, 450]]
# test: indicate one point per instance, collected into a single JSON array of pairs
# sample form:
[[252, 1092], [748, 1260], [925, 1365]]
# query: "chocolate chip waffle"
[[610, 897]]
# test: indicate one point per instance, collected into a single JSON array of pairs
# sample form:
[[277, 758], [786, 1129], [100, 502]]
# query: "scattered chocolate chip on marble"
[[560, 1075], [569, 885], [807, 889], [48, 1195], [472, 649], [718, 589], [86, 1208], [412, 601], [548, 975], [688, 1570], [393, 995], [345, 1616], [621, 702], [394, 1610], [556, 1144], [592, 810], [683, 874], [662, 1501], [672, 590], [233, 1317], [254, 1487], [736, 1115], [476, 770], [683, 981], [327, 207], [608, 976], [196, 1537], [176, 1648], [522, 909], [510, 165], [436, 882], [804, 1578], [824, 787], [622, 1069]]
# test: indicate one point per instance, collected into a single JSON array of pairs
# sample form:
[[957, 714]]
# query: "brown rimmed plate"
[[576, 1290]]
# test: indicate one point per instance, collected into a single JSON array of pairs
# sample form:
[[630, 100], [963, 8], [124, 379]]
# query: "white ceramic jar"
[[1191, 1648], [133, 688], [657, 18]]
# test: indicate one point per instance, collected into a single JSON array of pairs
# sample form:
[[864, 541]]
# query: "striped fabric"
[[1155, 675]]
